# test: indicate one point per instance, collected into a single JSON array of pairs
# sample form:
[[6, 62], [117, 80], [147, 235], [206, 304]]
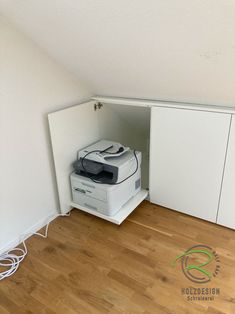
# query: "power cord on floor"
[[12, 258]]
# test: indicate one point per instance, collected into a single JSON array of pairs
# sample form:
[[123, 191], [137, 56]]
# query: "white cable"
[[11, 259]]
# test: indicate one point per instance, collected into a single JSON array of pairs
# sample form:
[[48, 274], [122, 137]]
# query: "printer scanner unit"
[[106, 176]]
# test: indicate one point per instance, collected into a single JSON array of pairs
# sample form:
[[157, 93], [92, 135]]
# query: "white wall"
[[31, 85], [157, 49]]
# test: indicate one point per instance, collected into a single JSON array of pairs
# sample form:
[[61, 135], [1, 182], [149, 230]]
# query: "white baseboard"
[[28, 233]]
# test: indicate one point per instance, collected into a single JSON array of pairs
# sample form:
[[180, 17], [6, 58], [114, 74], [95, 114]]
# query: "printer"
[[106, 176]]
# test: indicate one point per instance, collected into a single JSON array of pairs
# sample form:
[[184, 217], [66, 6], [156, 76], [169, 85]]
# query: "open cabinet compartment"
[[79, 126]]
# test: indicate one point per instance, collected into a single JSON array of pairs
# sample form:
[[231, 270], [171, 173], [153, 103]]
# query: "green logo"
[[200, 263]]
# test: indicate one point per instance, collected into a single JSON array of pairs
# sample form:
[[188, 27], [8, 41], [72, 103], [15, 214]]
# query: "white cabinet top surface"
[[167, 104]]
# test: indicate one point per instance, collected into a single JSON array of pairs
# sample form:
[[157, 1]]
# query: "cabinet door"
[[187, 156], [71, 129], [226, 214]]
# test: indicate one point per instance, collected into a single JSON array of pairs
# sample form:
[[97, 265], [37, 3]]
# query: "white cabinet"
[[74, 128], [187, 156], [226, 214], [184, 166]]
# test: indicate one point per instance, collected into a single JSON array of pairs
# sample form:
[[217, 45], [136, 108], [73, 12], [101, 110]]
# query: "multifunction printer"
[[106, 176]]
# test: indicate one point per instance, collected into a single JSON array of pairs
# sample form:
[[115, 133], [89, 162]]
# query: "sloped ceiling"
[[157, 49]]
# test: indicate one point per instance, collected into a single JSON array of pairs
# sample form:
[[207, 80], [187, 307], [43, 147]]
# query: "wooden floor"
[[88, 265]]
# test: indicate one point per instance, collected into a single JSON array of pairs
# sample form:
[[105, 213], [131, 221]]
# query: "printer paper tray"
[[122, 214]]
